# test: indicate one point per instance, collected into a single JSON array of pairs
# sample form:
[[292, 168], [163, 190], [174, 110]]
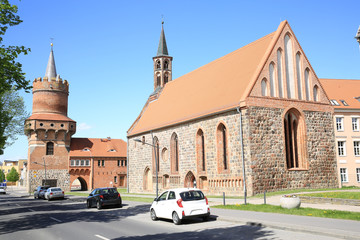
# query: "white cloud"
[[83, 126]]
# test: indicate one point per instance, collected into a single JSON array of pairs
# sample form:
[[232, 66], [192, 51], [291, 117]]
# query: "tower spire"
[[162, 49], [51, 69]]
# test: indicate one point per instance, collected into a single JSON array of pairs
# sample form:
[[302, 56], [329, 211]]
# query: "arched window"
[[174, 153], [295, 144], [200, 151], [155, 155], [50, 148], [166, 64], [264, 88], [272, 79], [279, 71], [307, 84], [158, 64], [166, 78], [158, 80], [316, 93], [298, 75], [289, 67], [222, 155]]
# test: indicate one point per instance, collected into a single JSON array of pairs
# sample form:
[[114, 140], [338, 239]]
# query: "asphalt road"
[[33, 219]]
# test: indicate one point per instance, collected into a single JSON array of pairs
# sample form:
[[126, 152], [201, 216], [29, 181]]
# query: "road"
[[33, 219]]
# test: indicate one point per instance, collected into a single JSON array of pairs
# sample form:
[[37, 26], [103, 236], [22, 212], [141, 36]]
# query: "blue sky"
[[105, 48]]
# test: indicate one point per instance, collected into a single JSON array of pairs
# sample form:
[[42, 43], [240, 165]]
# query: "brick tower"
[[49, 131]]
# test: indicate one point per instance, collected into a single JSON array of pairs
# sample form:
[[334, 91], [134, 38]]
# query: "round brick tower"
[[49, 131]]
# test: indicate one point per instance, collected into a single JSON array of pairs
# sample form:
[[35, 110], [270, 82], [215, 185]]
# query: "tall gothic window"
[[156, 155], [158, 64], [50, 148], [166, 64], [200, 151], [272, 79], [174, 153], [295, 144], [307, 84], [298, 75], [289, 67], [280, 72], [222, 155]]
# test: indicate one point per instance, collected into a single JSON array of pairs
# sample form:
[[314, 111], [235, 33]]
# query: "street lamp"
[[156, 161], [43, 164], [92, 167], [357, 37]]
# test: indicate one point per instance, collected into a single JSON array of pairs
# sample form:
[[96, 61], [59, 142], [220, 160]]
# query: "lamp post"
[[43, 164], [357, 37], [156, 161], [92, 167]]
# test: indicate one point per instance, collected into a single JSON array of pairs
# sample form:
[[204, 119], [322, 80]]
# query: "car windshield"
[[192, 196], [108, 190], [56, 190]]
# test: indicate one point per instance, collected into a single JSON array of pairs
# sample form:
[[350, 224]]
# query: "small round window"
[[62, 125], [52, 125], [41, 124]]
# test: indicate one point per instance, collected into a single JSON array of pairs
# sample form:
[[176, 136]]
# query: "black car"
[[40, 192], [100, 197]]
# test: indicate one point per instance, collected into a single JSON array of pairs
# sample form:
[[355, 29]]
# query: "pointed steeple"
[[51, 69], [162, 49]]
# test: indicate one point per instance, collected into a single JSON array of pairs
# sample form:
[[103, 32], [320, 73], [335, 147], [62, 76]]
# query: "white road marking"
[[17, 205], [31, 210], [102, 237], [55, 219]]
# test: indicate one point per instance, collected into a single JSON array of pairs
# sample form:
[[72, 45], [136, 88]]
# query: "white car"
[[3, 189], [54, 192], [180, 203]]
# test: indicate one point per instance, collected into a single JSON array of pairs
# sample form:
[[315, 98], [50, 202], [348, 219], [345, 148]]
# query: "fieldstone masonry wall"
[[264, 152], [268, 162], [37, 176]]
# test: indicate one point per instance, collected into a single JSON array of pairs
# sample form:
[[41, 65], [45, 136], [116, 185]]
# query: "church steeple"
[[162, 49], [162, 63], [51, 69]]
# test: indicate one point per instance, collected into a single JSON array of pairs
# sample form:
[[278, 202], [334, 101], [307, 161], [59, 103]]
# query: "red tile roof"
[[99, 147], [218, 86], [50, 117], [343, 89]]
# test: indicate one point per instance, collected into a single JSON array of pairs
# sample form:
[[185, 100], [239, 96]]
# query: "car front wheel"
[[88, 204], [153, 215], [98, 205], [176, 219]]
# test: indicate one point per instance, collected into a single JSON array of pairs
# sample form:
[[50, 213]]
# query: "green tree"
[[13, 175], [2, 176], [11, 76], [12, 118]]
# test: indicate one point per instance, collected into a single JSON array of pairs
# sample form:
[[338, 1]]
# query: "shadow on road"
[[240, 232], [43, 220]]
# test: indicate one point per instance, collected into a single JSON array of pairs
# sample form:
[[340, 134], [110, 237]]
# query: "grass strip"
[[295, 211]]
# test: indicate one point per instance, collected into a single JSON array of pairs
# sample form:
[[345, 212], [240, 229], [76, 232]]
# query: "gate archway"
[[147, 180], [83, 185], [189, 180]]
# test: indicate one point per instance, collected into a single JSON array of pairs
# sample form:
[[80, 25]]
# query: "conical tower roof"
[[51, 68], [162, 49]]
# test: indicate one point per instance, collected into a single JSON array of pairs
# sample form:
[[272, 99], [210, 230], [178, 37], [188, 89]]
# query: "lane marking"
[[56, 219], [31, 210], [102, 237]]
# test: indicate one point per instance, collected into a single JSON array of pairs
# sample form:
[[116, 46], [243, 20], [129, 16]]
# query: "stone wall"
[[268, 162], [140, 156], [36, 178]]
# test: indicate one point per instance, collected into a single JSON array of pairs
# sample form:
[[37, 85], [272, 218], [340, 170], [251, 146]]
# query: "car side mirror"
[[156, 199], [90, 194]]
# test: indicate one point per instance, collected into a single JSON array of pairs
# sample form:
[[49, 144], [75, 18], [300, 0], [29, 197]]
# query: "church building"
[[254, 120]]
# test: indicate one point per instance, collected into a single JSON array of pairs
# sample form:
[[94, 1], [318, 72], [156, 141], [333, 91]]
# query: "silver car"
[[53, 193]]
